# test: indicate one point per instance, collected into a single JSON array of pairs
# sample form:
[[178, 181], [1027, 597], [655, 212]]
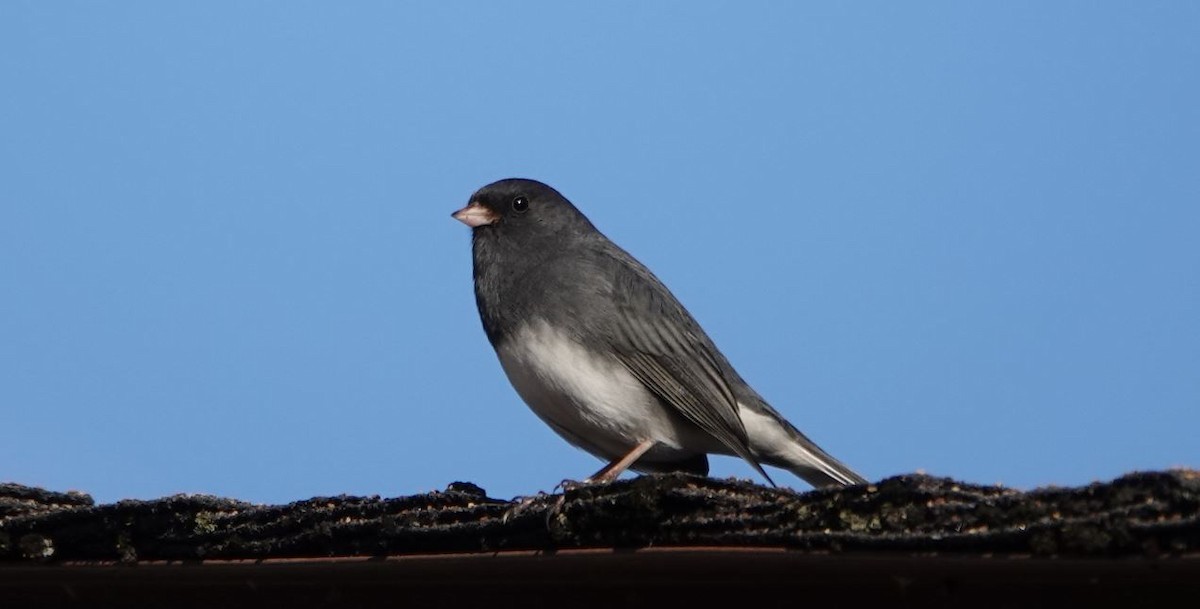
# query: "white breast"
[[589, 399]]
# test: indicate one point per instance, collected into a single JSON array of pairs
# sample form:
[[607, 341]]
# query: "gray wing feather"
[[657, 340]]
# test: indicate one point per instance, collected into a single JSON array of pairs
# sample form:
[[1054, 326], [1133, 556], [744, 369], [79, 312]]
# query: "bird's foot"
[[568, 485], [523, 505]]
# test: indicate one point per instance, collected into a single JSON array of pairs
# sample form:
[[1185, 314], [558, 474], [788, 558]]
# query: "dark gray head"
[[522, 213], [527, 243]]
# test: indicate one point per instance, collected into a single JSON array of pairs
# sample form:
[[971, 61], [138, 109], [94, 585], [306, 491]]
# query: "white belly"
[[593, 401]]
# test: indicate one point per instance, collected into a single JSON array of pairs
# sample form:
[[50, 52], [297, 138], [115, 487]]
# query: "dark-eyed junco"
[[600, 349]]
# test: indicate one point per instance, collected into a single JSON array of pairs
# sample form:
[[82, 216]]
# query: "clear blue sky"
[[949, 237]]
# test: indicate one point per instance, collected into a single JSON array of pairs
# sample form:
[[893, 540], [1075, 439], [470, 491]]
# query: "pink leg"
[[610, 472]]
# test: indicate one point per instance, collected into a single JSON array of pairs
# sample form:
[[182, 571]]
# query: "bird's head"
[[522, 209]]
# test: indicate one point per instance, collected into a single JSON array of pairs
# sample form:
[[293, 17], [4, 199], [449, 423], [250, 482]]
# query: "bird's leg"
[[606, 474], [610, 472]]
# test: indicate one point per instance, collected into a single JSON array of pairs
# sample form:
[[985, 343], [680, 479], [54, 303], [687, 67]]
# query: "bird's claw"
[[521, 505], [524, 504], [569, 485]]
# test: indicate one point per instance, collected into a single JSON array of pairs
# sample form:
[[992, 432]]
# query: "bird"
[[602, 352]]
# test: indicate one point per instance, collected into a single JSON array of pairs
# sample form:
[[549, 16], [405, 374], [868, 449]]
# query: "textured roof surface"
[[657, 541], [1143, 514]]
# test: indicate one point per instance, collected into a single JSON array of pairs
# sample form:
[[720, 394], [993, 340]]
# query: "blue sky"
[[949, 237]]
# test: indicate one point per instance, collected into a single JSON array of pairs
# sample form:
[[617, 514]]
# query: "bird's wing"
[[659, 343]]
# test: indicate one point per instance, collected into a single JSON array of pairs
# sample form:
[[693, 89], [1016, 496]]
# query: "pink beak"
[[475, 215]]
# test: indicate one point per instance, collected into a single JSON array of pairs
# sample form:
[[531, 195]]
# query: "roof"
[[642, 534]]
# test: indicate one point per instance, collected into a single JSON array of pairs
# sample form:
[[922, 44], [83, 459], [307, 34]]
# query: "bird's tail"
[[818, 467], [788, 448]]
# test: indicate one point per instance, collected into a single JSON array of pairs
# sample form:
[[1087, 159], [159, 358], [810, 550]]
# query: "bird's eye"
[[520, 204]]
